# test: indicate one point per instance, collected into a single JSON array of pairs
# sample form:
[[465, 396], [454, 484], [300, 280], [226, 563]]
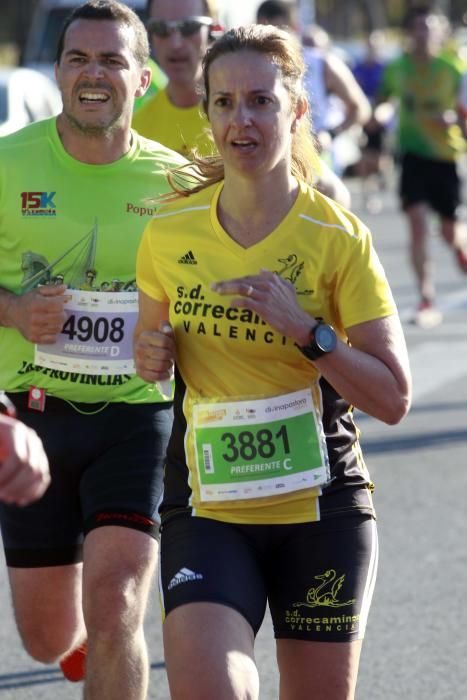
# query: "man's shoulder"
[[326, 215], [393, 74], [149, 108], [156, 151], [27, 136], [448, 63], [398, 63], [196, 204]]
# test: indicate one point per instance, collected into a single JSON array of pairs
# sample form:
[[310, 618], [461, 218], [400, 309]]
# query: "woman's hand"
[[154, 353], [274, 299], [371, 373], [153, 340]]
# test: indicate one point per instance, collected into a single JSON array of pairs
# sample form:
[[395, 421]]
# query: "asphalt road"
[[416, 643]]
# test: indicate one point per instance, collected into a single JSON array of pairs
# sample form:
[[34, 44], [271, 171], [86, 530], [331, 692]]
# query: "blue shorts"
[[106, 468], [317, 578]]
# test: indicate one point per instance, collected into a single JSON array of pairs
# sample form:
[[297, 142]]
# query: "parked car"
[[25, 96], [49, 15]]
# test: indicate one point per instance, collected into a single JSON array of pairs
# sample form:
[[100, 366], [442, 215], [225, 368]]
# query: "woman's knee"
[[234, 677], [214, 644]]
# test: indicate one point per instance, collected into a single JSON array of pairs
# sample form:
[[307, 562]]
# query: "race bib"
[[257, 448], [97, 337]]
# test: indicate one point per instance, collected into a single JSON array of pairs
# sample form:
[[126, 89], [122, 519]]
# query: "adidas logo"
[[188, 259], [183, 576]]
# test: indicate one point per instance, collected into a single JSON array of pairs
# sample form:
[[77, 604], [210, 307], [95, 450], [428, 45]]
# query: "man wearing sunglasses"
[[180, 31]]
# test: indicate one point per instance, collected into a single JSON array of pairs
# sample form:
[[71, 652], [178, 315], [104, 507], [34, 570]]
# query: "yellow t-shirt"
[[327, 254], [181, 130]]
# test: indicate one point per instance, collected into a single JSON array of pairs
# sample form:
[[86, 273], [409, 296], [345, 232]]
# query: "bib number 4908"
[[100, 329]]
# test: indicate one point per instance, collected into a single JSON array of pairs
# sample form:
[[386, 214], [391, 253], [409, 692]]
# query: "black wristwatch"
[[323, 340]]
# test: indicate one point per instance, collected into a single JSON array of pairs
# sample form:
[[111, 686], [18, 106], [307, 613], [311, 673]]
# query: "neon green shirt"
[[64, 219], [182, 130], [425, 91]]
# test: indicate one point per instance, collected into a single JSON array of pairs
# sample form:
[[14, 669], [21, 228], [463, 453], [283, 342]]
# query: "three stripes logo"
[[183, 576], [188, 259]]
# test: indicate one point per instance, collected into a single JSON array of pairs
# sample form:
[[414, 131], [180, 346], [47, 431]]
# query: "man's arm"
[[332, 186], [462, 105], [38, 315], [341, 82]]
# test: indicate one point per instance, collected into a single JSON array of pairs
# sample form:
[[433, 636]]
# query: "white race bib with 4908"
[[97, 336]]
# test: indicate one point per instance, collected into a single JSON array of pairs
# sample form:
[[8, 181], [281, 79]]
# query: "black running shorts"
[[435, 182], [107, 469], [318, 578]]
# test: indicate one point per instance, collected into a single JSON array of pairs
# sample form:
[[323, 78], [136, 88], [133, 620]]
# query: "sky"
[[238, 12], [235, 12]]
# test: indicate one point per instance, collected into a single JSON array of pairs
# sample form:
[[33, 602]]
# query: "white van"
[[46, 24]]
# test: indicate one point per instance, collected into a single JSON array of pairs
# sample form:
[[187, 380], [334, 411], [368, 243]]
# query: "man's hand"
[[39, 315]]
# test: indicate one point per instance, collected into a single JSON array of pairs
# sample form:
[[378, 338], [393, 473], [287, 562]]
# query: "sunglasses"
[[186, 27]]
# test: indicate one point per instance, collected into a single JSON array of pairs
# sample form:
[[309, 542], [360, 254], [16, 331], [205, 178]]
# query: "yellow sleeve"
[[364, 293], [146, 269], [139, 121]]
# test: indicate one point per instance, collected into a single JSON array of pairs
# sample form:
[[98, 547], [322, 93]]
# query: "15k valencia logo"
[[38, 204]]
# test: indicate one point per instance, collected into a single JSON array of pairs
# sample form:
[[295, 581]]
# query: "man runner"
[[75, 193]]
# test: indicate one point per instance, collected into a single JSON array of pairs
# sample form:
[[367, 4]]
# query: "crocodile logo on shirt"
[[291, 269]]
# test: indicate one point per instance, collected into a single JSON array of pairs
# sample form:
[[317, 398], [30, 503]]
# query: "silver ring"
[[250, 291]]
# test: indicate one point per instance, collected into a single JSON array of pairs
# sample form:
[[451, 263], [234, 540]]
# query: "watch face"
[[325, 337]]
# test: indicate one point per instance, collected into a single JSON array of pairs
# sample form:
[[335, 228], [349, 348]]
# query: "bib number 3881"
[[249, 444], [257, 448]]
